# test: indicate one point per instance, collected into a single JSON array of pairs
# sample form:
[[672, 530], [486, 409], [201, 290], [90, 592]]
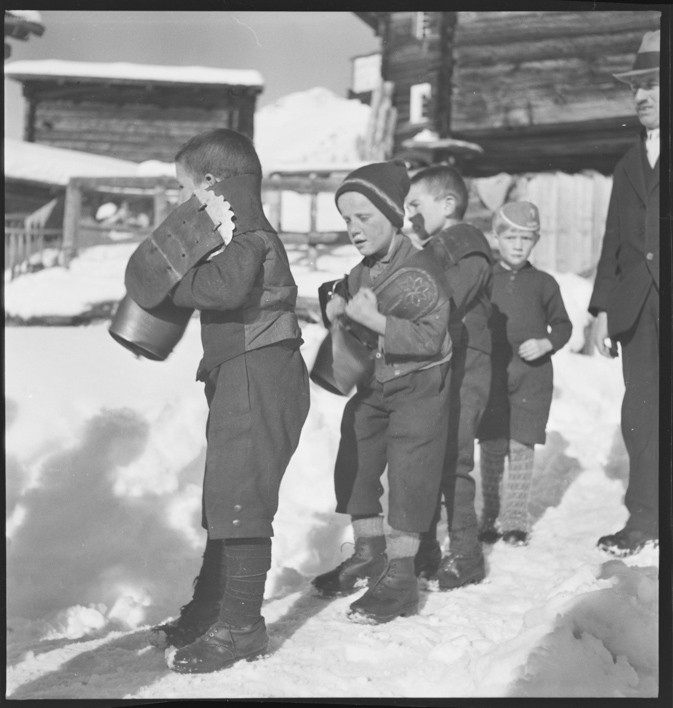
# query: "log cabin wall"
[[410, 60], [536, 91], [132, 122]]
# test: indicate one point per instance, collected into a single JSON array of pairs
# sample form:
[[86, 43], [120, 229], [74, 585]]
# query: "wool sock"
[[516, 488], [209, 584], [401, 544], [492, 465], [368, 526], [248, 561]]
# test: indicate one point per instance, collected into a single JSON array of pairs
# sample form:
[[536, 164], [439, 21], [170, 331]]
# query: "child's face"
[[515, 246], [188, 182], [369, 229], [436, 211]]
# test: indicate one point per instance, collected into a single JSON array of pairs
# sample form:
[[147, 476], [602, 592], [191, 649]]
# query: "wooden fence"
[[313, 239], [26, 241]]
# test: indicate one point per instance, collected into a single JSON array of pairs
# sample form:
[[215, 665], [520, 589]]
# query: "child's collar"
[[243, 192], [508, 267]]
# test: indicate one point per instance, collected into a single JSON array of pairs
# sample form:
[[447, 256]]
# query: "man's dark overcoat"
[[627, 288]]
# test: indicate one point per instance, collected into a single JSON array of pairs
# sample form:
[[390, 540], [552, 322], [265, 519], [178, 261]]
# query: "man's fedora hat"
[[647, 59]]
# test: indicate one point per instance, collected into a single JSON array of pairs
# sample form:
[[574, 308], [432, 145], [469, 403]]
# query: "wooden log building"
[[131, 111], [534, 89]]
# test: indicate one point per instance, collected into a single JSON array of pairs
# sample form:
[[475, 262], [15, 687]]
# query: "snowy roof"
[[135, 73], [50, 165], [26, 15]]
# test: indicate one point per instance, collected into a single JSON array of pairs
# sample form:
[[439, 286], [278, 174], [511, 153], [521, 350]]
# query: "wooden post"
[[71, 217], [313, 233], [160, 204], [40, 245], [12, 253], [273, 201]]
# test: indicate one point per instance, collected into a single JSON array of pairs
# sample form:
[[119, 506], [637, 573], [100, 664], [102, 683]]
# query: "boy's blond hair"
[[222, 152], [443, 181]]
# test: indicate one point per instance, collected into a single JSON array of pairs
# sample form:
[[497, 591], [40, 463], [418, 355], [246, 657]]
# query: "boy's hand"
[[533, 349], [335, 307], [363, 308]]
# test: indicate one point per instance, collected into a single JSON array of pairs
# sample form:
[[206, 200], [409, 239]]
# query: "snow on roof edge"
[[126, 71], [55, 166], [27, 15]]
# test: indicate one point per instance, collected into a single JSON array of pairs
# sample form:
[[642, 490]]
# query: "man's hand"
[[363, 308], [335, 307], [533, 349], [601, 334]]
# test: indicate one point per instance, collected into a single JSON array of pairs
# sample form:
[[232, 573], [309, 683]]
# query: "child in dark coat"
[[398, 415], [436, 203], [257, 390], [529, 324]]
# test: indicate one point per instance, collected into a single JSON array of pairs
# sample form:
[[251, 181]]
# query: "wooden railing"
[[25, 247], [272, 189], [24, 244]]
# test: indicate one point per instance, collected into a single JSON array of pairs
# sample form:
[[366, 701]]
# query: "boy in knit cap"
[[528, 323], [399, 414], [436, 203]]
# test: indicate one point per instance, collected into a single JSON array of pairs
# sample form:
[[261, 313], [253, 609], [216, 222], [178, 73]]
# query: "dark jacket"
[[246, 293], [629, 262], [409, 344], [525, 303], [467, 261]]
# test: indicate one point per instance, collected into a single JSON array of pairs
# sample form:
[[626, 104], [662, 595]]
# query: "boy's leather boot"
[[456, 571], [627, 542], [195, 619], [429, 556], [220, 647], [368, 561], [394, 594], [203, 609]]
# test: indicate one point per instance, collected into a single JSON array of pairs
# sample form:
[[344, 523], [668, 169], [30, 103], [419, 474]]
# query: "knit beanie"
[[385, 184], [517, 215]]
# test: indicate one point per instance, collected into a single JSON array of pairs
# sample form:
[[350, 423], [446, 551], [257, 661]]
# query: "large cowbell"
[[146, 321], [151, 333], [346, 356], [343, 361]]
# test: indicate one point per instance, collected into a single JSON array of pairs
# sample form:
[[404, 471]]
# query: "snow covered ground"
[[104, 456]]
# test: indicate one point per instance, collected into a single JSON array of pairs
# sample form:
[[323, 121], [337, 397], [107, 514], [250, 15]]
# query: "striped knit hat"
[[385, 184], [517, 215]]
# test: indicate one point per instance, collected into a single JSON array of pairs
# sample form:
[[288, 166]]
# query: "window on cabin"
[[421, 25], [419, 103]]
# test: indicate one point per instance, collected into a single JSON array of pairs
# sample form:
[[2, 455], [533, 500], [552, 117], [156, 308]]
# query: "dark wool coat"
[[627, 288], [256, 382], [629, 262], [527, 304], [468, 271]]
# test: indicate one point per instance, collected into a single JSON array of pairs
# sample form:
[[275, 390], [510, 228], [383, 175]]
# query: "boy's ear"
[[450, 204]]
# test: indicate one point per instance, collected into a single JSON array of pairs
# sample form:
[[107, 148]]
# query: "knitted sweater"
[[527, 304]]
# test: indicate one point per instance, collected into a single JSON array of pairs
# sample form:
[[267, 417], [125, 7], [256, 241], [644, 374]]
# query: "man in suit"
[[625, 301]]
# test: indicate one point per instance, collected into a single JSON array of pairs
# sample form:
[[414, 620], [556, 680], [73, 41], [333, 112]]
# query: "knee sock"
[[492, 465], [401, 544], [516, 488], [368, 526], [209, 584], [430, 536], [248, 561]]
